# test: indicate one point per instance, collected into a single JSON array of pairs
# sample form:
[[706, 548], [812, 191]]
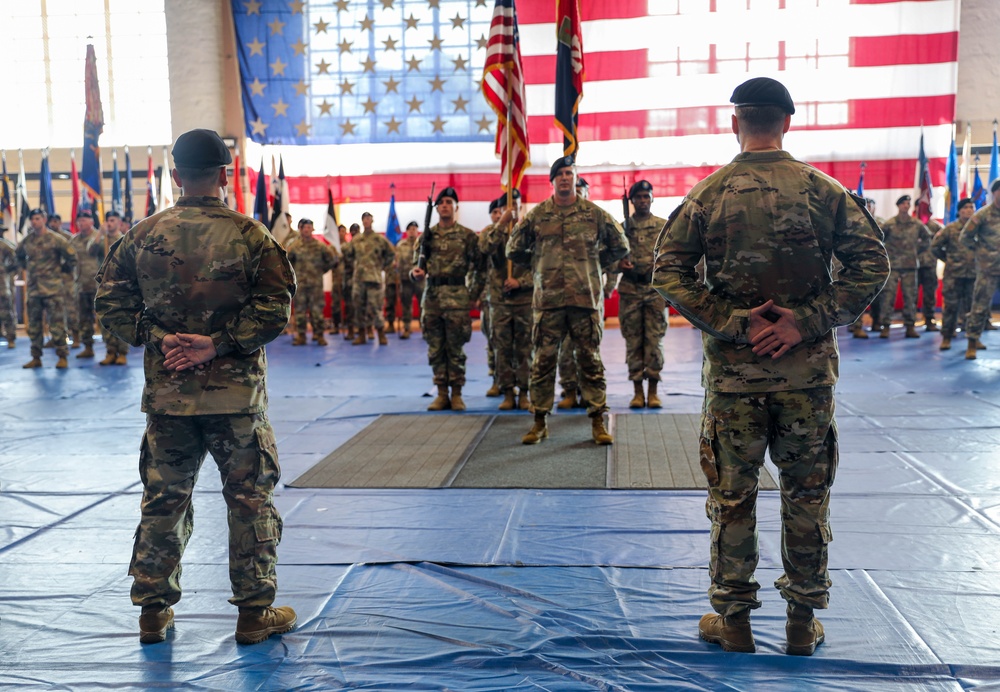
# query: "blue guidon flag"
[[569, 72]]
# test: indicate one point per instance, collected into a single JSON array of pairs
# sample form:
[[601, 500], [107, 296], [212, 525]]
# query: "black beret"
[[763, 91], [995, 186], [412, 224], [84, 214], [559, 164], [53, 216], [640, 186], [201, 149], [39, 211], [447, 192], [964, 202], [497, 203], [110, 214], [582, 182], [904, 198]]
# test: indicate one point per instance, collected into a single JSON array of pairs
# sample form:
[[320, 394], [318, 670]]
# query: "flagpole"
[[510, 168]]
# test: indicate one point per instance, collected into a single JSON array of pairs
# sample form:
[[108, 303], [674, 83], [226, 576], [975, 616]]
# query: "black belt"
[[445, 281], [644, 279]]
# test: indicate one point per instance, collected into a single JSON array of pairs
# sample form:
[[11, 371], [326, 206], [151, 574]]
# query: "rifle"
[[625, 225], [425, 241]]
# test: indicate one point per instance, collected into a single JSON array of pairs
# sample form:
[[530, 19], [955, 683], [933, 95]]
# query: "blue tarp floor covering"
[[448, 589]]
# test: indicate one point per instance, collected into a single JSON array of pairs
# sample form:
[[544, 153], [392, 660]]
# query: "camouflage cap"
[[447, 192], [904, 198], [559, 164], [763, 91], [640, 186], [201, 149]]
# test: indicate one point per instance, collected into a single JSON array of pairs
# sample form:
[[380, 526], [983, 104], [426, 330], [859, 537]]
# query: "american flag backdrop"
[[388, 91]]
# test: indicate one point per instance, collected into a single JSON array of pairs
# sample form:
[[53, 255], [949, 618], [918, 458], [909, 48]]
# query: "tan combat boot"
[[406, 332], [154, 623], [382, 341], [639, 399], [61, 364], [539, 431], [441, 401], [349, 333], [121, 359], [494, 390], [731, 633], [945, 343], [360, 339], [980, 346], [523, 400], [911, 332], [10, 343], [369, 332], [931, 326], [652, 400], [803, 631], [456, 399], [599, 432], [76, 340], [321, 341], [508, 403], [884, 334], [568, 400], [33, 363], [109, 359], [970, 350], [299, 339], [87, 352], [859, 331], [254, 625]]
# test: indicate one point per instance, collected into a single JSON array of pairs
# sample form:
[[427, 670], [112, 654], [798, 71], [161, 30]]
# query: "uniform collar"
[[775, 155], [193, 201]]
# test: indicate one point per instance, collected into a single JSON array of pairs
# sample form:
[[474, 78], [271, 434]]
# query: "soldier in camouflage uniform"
[[485, 313], [959, 272], [858, 328], [311, 259], [371, 255], [566, 240], [403, 267], [510, 310], [8, 266], [337, 290], [203, 289], [982, 234], [454, 282], [347, 255], [768, 228], [54, 223], [905, 239], [89, 255], [927, 278], [48, 257], [642, 312], [115, 349]]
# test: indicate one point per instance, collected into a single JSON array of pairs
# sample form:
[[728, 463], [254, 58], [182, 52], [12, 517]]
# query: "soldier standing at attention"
[[54, 224], [454, 273], [642, 311], [768, 228], [905, 239], [8, 265], [89, 255], [959, 272], [566, 240], [510, 310], [48, 257], [927, 278], [203, 289], [347, 253], [403, 267], [982, 234], [373, 254], [311, 259], [486, 312], [116, 350]]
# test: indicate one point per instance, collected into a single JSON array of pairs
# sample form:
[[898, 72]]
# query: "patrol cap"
[[39, 212], [995, 186], [201, 149], [763, 91], [559, 164], [964, 202], [904, 198], [447, 192], [582, 182], [640, 186]]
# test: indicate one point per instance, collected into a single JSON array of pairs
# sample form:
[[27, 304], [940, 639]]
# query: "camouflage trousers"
[[927, 279], [797, 429], [368, 301], [70, 302], [486, 327], [309, 302], [173, 449], [51, 309], [907, 281], [8, 325], [112, 344], [403, 292], [957, 295], [643, 319], [569, 375], [510, 331], [446, 333], [336, 299], [549, 329], [982, 304], [86, 317], [348, 304]]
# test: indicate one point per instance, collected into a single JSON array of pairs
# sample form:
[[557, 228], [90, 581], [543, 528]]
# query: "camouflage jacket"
[[453, 256], [641, 240], [905, 239], [927, 257], [371, 254], [201, 268], [404, 256], [311, 259], [493, 246], [8, 265], [567, 248], [982, 233], [769, 227], [89, 255], [959, 260], [48, 257], [346, 264]]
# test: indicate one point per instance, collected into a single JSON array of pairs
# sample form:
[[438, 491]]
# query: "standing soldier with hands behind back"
[[768, 228], [905, 239], [89, 254]]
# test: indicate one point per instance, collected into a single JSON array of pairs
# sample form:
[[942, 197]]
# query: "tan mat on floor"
[[402, 451]]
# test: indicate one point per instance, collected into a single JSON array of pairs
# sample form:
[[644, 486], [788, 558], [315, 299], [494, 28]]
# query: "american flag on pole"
[[865, 75], [503, 87]]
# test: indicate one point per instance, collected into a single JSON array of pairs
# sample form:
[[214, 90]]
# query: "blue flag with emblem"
[[46, 200], [951, 185], [261, 211], [392, 230], [93, 126]]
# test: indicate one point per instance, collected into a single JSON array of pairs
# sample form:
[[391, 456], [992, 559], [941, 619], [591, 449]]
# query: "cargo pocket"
[[706, 455], [825, 532], [267, 531], [268, 471]]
